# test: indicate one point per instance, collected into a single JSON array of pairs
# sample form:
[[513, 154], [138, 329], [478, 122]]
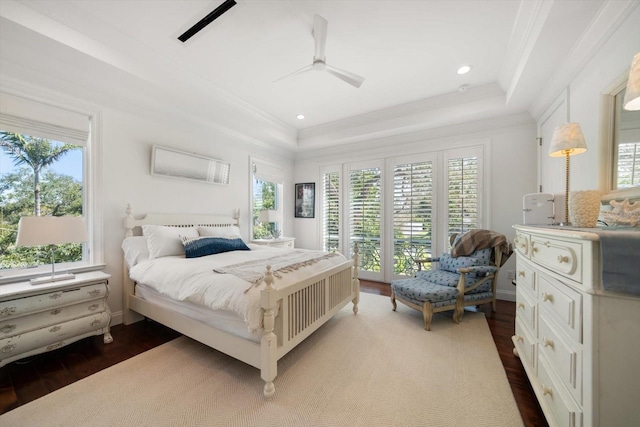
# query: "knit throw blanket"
[[253, 271], [474, 240]]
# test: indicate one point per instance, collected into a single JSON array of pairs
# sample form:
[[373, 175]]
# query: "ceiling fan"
[[319, 60]]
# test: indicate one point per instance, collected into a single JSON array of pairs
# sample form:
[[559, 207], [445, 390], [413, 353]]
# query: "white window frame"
[[93, 250], [271, 172]]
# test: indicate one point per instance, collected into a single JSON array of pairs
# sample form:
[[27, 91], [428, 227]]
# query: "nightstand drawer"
[[20, 325], [53, 335], [21, 306]]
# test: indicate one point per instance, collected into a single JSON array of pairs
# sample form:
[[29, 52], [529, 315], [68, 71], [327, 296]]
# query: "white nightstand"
[[281, 242], [39, 318]]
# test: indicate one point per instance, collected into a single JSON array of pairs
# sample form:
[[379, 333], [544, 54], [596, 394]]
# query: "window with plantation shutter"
[[412, 215], [331, 211], [463, 191], [365, 227]]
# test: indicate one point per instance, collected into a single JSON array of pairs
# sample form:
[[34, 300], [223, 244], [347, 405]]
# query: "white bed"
[[290, 307]]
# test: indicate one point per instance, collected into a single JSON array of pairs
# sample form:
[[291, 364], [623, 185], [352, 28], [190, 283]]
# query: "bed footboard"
[[303, 308]]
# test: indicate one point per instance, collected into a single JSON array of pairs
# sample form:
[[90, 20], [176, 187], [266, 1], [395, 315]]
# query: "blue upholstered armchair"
[[457, 282]]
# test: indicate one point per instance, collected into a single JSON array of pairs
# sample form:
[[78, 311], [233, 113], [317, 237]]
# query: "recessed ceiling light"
[[464, 69], [300, 116]]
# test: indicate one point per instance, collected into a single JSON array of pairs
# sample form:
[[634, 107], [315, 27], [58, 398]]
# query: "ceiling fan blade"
[[320, 36], [300, 71], [349, 77]]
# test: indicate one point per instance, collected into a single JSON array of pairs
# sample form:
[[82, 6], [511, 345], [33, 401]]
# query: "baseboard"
[[506, 295], [116, 318]]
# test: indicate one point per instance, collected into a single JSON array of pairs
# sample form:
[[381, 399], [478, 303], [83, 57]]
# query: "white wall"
[[608, 64], [512, 171], [127, 139]]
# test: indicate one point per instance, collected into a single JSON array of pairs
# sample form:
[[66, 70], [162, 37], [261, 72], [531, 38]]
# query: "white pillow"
[[135, 250], [165, 241], [232, 231]]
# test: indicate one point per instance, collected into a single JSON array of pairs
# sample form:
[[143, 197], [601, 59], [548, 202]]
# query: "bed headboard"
[[132, 224]]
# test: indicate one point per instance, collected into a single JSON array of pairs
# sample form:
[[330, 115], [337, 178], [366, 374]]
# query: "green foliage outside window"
[[34, 189]]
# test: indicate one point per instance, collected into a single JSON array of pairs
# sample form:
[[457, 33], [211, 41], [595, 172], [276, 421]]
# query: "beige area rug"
[[376, 368]]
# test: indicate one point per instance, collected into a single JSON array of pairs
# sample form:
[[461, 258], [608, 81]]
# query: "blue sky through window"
[[69, 164]]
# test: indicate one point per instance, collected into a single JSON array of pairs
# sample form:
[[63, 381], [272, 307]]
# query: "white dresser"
[[579, 344], [281, 242], [39, 318]]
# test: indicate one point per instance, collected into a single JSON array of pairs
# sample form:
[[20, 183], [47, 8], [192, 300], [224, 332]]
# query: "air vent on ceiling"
[[228, 4]]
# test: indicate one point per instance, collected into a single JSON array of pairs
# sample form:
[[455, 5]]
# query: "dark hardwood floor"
[[28, 379]]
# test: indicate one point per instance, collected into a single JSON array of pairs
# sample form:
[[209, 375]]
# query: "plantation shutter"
[[412, 215], [628, 164], [331, 211], [40, 120], [463, 198], [365, 216]]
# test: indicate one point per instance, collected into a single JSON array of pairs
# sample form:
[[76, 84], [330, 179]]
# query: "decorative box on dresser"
[[579, 343], [39, 318], [281, 242]]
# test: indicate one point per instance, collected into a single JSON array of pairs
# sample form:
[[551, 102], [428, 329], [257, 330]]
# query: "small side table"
[[39, 318], [281, 242]]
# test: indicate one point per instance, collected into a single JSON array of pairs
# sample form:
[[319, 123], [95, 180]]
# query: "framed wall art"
[[305, 198]]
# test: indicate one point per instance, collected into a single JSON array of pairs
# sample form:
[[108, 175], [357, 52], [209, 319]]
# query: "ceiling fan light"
[[464, 69], [300, 116]]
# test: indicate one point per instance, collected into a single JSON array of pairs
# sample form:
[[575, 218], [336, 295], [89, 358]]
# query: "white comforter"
[[193, 280]]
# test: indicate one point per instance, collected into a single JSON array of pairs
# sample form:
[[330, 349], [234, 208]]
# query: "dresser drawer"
[[564, 258], [52, 335], [563, 304], [526, 278], [20, 325], [37, 303], [526, 310], [522, 243], [564, 410], [525, 344], [565, 357]]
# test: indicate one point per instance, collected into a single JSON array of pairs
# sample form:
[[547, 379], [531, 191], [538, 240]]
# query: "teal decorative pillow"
[[203, 246]]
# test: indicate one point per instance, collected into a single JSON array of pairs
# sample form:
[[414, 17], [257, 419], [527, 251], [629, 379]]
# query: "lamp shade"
[[567, 139], [51, 230], [632, 95], [268, 215]]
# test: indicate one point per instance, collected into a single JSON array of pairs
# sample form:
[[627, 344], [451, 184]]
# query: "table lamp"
[[567, 140], [632, 95], [52, 231], [268, 216]]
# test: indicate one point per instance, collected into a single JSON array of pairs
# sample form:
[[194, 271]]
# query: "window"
[[365, 227], [44, 170], [463, 197], [430, 196], [266, 199], [331, 211], [412, 214]]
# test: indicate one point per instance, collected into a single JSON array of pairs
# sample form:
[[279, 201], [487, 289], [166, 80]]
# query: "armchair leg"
[[393, 301], [427, 314]]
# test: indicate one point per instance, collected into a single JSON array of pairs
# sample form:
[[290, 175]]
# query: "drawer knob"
[[7, 328], [521, 273], [547, 342], [94, 307], [547, 297], [534, 249], [563, 258], [520, 338], [520, 305], [547, 391], [94, 293]]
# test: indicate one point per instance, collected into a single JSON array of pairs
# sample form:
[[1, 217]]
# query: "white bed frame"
[[302, 307]]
